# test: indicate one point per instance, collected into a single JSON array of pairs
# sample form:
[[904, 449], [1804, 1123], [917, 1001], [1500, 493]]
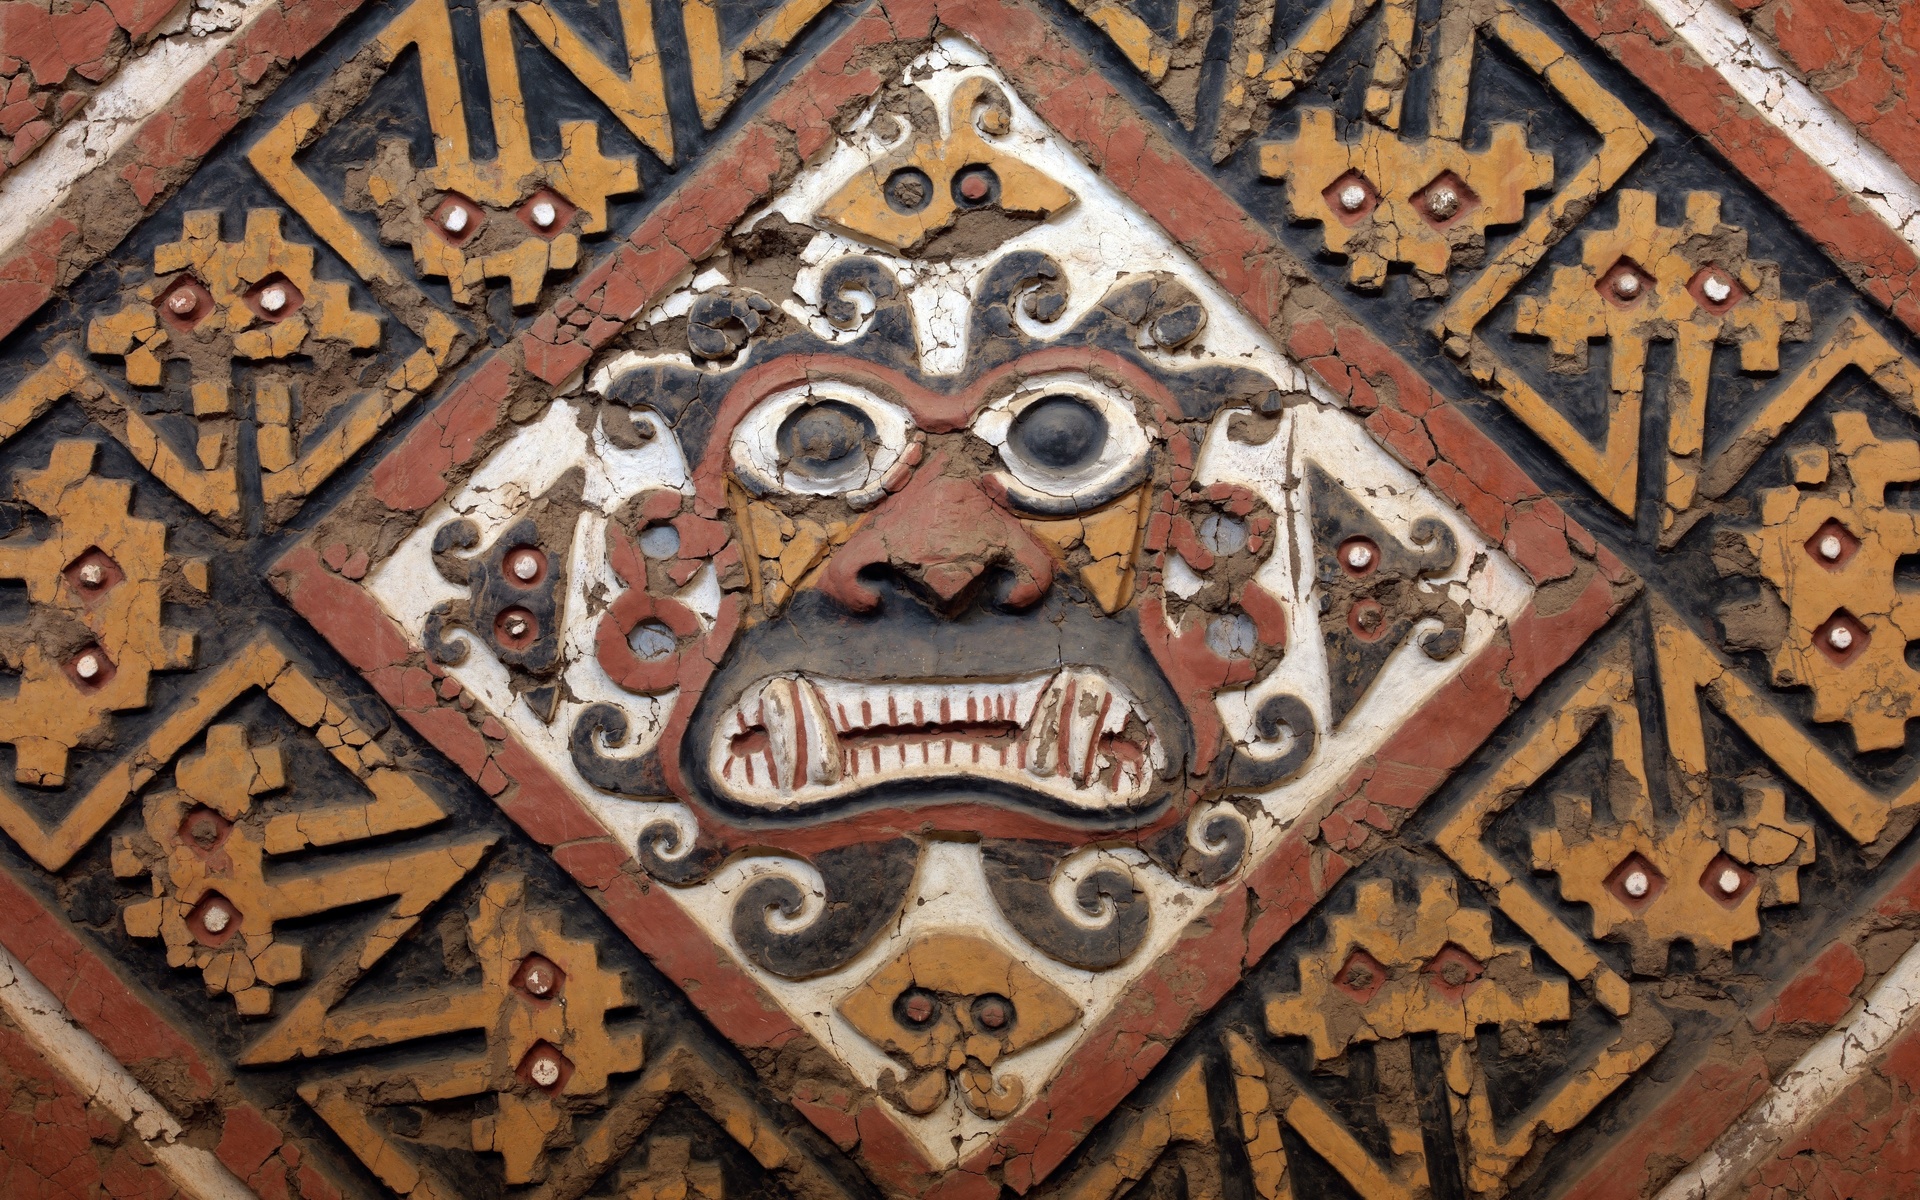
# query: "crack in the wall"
[[1755, 69], [101, 1079]]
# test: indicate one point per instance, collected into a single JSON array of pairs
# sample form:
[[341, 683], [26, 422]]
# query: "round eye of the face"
[[824, 440], [1060, 433], [1069, 444], [827, 438]]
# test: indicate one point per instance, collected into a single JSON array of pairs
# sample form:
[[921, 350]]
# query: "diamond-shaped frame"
[[1428, 434]]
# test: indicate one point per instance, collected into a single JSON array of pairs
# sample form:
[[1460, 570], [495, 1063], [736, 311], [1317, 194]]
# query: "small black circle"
[[916, 1008], [976, 187], [825, 438], [993, 1013], [1060, 433], [908, 190]]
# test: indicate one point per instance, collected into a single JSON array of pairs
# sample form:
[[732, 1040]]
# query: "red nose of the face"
[[942, 535]]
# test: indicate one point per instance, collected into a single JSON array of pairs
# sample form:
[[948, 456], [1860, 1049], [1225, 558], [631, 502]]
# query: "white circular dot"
[[1352, 197], [273, 299], [1840, 637], [1729, 880], [1358, 557], [525, 566], [545, 214], [1637, 884], [1232, 636], [545, 1072], [93, 575], [516, 627], [216, 918], [455, 219], [1717, 288], [660, 541], [1223, 535], [183, 302], [1830, 546], [539, 982], [87, 667], [1443, 203], [1627, 286]]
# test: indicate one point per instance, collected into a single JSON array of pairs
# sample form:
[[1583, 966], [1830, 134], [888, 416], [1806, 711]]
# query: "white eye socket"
[[825, 439], [1069, 444]]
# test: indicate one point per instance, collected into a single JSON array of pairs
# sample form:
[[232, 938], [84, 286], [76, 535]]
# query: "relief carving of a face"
[[944, 616]]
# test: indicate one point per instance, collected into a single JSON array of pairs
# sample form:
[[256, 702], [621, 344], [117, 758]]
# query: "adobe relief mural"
[[960, 600], [1028, 590]]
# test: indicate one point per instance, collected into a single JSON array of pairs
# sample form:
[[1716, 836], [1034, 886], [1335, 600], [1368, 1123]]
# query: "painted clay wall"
[[958, 598]]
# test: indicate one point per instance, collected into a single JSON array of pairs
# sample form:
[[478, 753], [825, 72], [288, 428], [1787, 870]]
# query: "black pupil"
[[824, 437], [1059, 432], [916, 1008]]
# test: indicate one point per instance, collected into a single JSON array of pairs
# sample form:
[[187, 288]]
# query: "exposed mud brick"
[[1861, 58], [55, 1145], [1863, 1145]]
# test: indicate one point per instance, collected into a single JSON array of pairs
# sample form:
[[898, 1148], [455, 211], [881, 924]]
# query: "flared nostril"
[[944, 589], [1019, 587], [948, 589]]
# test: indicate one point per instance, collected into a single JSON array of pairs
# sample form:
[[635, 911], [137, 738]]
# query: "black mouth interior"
[[903, 641]]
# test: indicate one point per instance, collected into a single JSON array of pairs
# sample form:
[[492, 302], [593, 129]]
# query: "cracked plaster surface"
[[941, 309], [117, 111], [101, 1080], [1756, 70], [950, 890], [1820, 1078], [1860, 54]]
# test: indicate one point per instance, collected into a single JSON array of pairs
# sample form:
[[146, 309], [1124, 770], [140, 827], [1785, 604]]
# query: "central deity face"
[[945, 594], [928, 503], [953, 591]]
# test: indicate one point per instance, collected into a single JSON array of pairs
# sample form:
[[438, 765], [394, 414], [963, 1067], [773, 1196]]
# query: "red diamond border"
[[1586, 583]]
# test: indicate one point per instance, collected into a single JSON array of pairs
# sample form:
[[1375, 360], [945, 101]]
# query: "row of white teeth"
[[1056, 727], [856, 706]]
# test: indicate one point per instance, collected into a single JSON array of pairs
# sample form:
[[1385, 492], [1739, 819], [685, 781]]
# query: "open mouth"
[[794, 740]]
